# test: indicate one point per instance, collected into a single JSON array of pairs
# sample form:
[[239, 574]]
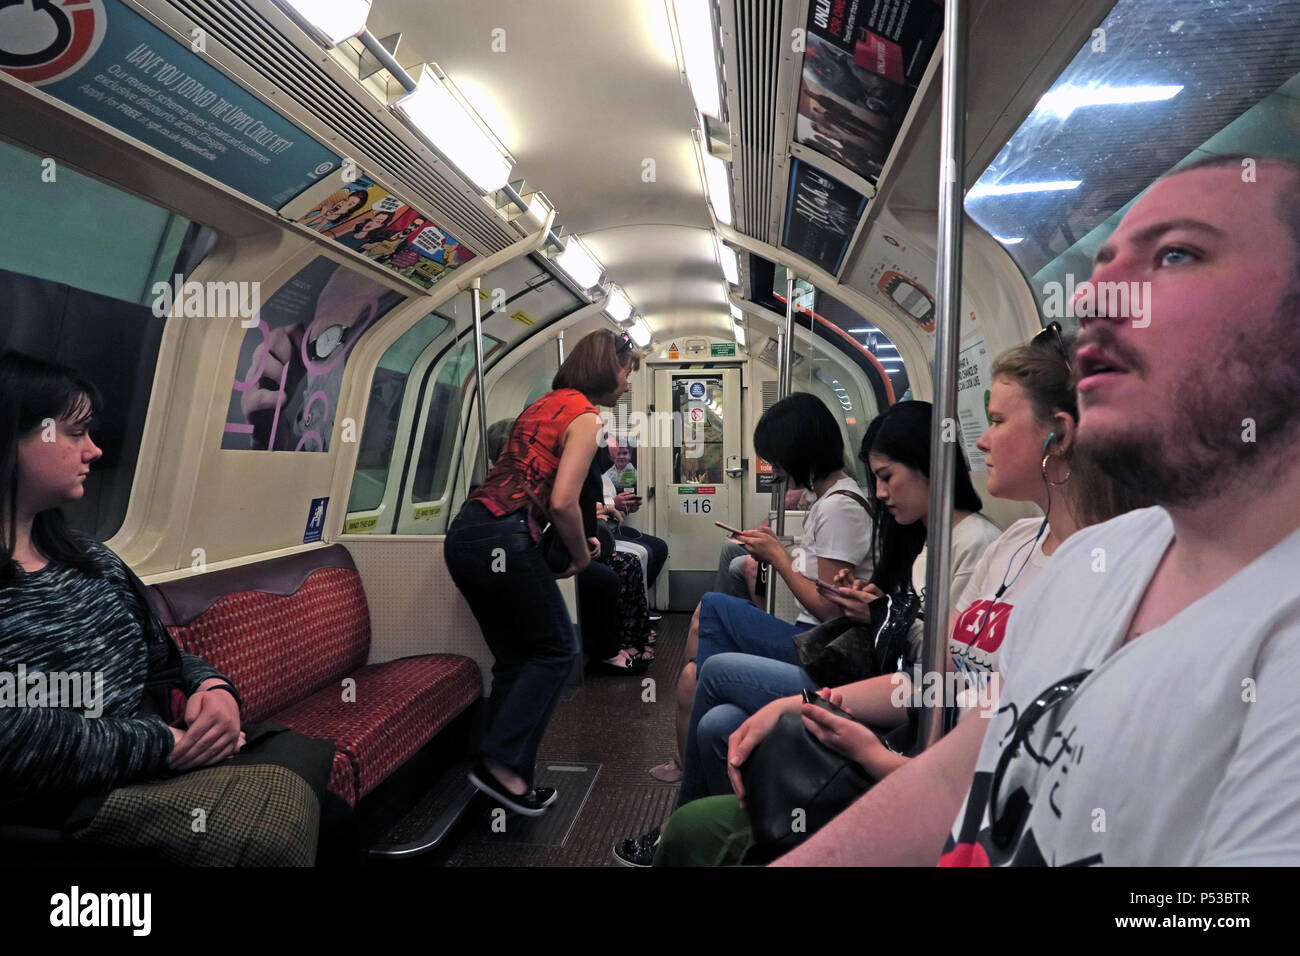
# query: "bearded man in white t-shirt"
[[1148, 715]]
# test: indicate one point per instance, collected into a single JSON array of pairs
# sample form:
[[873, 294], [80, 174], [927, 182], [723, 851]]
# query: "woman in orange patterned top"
[[494, 557]]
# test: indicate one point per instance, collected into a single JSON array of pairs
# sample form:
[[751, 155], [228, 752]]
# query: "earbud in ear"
[[1050, 438]]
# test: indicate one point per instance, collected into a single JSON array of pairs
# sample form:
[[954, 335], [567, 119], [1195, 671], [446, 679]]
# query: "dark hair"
[[800, 435], [33, 391], [592, 367], [359, 193], [902, 433]]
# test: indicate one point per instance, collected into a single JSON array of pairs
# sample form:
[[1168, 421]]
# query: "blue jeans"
[[524, 620], [733, 624]]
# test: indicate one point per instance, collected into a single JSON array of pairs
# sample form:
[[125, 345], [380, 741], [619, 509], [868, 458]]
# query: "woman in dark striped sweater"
[[75, 635]]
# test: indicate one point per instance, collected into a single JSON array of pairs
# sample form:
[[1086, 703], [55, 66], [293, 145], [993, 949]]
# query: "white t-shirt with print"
[[837, 528], [1180, 748], [982, 615]]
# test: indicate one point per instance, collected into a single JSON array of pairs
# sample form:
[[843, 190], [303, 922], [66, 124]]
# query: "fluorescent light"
[[618, 308], [1066, 99], [696, 33], [869, 328], [1009, 242], [730, 264], [449, 123], [640, 333], [579, 264], [739, 331], [1008, 189], [717, 186], [737, 314], [338, 20]]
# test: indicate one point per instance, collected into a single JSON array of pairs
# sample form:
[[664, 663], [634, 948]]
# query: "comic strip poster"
[[364, 217], [291, 364], [863, 60]]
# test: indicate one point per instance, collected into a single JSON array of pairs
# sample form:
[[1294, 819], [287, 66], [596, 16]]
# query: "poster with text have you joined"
[[108, 61]]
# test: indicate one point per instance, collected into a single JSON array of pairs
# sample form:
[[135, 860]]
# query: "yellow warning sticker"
[[360, 525], [425, 512], [523, 318]]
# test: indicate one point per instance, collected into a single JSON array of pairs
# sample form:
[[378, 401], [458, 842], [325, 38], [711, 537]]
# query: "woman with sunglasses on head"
[[495, 559], [1030, 455]]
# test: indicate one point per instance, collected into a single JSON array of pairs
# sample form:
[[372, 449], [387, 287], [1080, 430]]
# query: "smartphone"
[[810, 697], [825, 588], [727, 527]]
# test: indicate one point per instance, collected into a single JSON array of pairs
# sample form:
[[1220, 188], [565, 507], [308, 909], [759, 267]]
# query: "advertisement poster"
[[862, 62], [364, 217], [821, 214], [974, 380], [898, 276], [106, 60], [291, 365]]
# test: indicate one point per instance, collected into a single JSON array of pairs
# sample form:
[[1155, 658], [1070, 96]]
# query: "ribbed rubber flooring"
[[608, 727]]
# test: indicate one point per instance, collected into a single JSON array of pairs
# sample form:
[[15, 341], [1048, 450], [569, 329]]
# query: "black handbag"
[[554, 551], [795, 785], [841, 651]]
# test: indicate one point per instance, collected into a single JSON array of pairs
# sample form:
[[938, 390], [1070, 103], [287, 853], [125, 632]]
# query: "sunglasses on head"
[[623, 343], [1049, 336]]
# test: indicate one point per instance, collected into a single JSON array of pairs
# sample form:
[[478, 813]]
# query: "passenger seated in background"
[[613, 613], [621, 501], [737, 569], [147, 711], [1031, 455], [1163, 645]]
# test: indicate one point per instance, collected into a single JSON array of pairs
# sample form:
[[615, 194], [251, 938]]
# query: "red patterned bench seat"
[[293, 633]]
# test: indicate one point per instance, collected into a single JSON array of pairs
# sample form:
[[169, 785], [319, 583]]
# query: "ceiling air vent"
[[756, 26]]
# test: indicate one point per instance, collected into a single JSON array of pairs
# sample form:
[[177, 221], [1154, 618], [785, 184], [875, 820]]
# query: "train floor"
[[606, 734]]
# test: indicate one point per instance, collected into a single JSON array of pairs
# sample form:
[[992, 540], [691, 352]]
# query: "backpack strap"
[[855, 496]]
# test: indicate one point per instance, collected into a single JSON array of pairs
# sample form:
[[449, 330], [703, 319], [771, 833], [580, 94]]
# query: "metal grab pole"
[[944, 433], [785, 355], [478, 375], [559, 342]]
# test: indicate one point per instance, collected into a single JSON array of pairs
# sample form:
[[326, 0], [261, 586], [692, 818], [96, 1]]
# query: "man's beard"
[[1251, 390]]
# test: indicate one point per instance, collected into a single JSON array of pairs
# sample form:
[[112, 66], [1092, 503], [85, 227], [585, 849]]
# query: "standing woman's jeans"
[[525, 623]]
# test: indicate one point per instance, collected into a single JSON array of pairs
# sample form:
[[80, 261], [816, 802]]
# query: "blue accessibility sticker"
[[315, 520]]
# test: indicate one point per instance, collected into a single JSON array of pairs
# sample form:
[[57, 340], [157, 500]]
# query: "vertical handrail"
[[785, 366], [944, 433], [559, 342], [478, 375]]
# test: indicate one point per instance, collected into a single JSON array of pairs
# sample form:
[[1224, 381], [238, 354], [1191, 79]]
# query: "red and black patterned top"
[[524, 474]]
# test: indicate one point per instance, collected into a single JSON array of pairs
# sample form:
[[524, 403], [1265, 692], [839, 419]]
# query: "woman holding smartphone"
[[494, 557]]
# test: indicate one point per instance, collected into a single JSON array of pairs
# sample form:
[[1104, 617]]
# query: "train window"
[[525, 383], [1157, 83], [442, 423], [697, 404], [383, 412], [78, 276]]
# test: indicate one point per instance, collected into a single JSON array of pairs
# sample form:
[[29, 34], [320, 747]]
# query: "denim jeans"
[[731, 571], [499, 569], [733, 624], [730, 688]]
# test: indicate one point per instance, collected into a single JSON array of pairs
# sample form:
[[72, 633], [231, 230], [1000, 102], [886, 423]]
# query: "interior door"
[[700, 480]]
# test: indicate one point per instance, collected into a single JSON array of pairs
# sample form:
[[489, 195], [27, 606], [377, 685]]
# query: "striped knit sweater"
[[60, 620]]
